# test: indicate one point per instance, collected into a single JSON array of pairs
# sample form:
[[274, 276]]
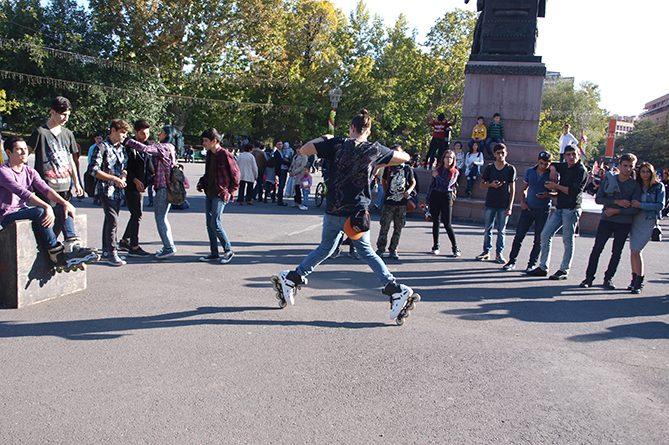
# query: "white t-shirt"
[[567, 139]]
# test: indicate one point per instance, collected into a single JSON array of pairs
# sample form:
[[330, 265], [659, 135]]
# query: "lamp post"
[[335, 96]]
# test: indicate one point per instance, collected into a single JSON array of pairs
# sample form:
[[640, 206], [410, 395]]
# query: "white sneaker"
[[398, 300], [288, 287], [435, 251], [303, 207]]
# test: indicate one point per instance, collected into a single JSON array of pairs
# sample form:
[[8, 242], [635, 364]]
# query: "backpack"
[[90, 183], [176, 191]]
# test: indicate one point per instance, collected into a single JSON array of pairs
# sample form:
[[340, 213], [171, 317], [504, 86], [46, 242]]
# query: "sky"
[[617, 44]]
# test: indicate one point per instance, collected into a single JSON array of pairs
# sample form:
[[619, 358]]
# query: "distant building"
[[553, 77], [656, 110], [624, 124]]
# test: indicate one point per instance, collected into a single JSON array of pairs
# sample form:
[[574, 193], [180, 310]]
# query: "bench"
[[27, 275]]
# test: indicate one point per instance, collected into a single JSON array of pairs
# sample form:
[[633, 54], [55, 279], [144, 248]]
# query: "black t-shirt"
[[498, 198], [398, 178], [351, 173]]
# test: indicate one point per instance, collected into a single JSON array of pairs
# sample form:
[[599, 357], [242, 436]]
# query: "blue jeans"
[[160, 210], [66, 225], [213, 210], [568, 220], [34, 214], [333, 230], [492, 215], [305, 197], [538, 217], [489, 146], [380, 197]]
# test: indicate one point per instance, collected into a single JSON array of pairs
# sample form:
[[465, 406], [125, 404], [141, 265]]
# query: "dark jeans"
[[111, 207], [34, 214], [604, 232], [134, 201], [441, 205], [270, 191], [436, 146], [283, 175], [248, 196], [258, 189], [538, 217], [63, 224], [298, 190], [489, 146]]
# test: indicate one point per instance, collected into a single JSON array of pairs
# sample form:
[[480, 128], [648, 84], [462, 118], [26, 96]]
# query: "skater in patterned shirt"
[[353, 163]]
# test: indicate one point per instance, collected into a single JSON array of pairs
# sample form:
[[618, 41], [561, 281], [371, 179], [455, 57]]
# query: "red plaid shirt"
[[227, 174]]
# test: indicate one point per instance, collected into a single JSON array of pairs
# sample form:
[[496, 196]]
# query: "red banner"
[[610, 138]]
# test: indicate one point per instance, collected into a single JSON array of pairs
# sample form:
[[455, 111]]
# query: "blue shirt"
[[536, 186]]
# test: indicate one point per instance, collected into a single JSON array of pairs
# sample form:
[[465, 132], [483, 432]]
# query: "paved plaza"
[[183, 352]]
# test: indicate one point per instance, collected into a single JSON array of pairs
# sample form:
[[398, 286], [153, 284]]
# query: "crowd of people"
[[122, 169]]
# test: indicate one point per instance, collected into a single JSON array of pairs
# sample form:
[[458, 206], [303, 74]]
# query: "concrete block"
[[27, 275]]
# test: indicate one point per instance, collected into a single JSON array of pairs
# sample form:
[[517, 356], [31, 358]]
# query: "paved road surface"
[[189, 353]]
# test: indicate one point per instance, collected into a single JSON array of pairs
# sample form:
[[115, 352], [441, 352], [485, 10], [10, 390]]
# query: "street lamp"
[[335, 96]]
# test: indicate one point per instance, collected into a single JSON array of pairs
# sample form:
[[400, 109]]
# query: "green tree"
[[649, 142], [562, 104]]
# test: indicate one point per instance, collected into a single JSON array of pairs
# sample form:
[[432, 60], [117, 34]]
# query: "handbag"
[[657, 233]]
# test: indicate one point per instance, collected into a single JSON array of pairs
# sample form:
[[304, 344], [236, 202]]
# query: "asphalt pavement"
[[183, 352]]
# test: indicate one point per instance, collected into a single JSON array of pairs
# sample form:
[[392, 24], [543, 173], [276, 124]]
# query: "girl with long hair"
[[473, 163], [650, 206], [440, 196]]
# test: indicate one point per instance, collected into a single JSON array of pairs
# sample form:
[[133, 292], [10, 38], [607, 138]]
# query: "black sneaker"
[[393, 255], [509, 266], [227, 256], [209, 257], [124, 245], [586, 283], [538, 272], [138, 253], [608, 284], [559, 275]]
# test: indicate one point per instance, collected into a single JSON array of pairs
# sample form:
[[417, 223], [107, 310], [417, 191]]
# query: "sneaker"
[[336, 253], [559, 275], [608, 284], [114, 260], [499, 258], [398, 294], [353, 254], [290, 282], [393, 255], [138, 253], [586, 283], [509, 266], [456, 252], [538, 272], [227, 256], [162, 253], [209, 257], [303, 207], [483, 256], [124, 245], [435, 250], [380, 253]]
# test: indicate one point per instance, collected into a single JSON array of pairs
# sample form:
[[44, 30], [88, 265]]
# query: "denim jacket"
[[654, 202]]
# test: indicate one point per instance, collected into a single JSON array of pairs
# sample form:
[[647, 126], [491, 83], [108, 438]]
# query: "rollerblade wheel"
[[415, 298], [278, 295], [399, 320], [282, 304], [405, 313], [410, 305]]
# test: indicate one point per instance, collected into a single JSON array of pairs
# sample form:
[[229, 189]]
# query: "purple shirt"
[[162, 157], [17, 188]]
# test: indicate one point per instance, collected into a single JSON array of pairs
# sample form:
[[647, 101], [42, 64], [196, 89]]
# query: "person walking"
[[650, 208], [219, 182], [440, 196], [248, 169], [353, 162]]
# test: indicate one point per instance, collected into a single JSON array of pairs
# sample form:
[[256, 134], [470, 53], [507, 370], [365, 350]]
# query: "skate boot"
[[402, 301], [286, 285], [76, 255], [57, 257]]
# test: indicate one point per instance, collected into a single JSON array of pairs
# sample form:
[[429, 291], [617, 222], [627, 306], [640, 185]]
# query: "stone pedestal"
[[512, 89], [27, 275]]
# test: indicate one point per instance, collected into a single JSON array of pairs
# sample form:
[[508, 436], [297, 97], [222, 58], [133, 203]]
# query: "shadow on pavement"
[[651, 330], [111, 328]]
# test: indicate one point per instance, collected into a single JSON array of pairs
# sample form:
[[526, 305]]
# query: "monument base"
[[27, 275]]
